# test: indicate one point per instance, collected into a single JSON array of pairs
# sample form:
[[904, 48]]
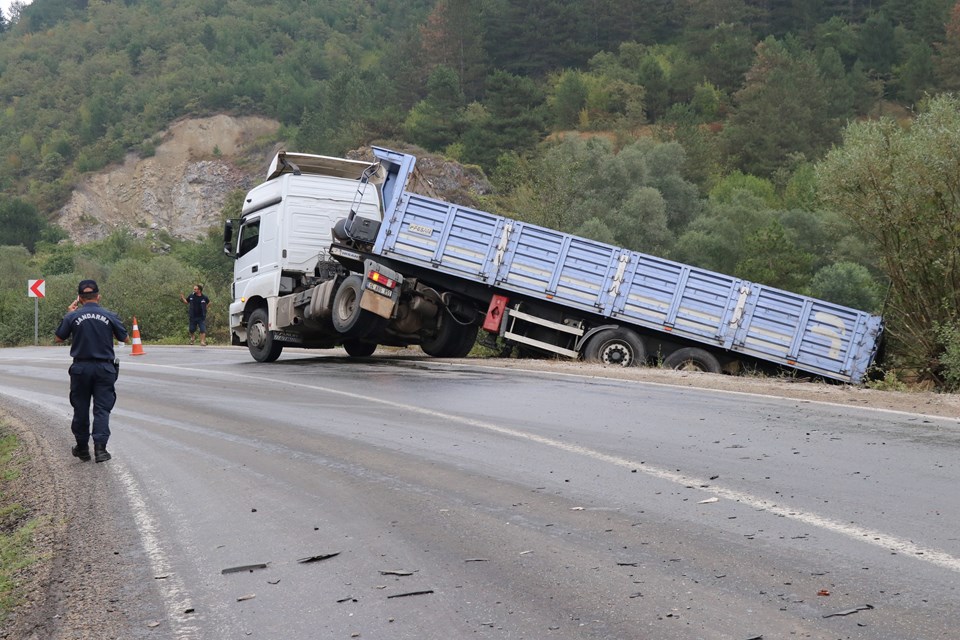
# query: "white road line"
[[173, 591]]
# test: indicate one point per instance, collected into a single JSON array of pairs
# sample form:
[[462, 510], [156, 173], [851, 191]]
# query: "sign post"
[[36, 289]]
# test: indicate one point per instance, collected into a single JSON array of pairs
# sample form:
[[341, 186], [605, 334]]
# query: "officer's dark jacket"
[[93, 329]]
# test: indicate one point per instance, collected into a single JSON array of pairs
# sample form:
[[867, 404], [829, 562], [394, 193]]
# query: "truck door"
[[257, 270]]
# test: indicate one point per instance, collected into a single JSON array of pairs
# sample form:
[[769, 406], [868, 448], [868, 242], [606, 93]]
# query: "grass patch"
[[17, 528]]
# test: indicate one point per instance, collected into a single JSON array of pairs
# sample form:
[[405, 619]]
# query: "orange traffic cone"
[[137, 345]]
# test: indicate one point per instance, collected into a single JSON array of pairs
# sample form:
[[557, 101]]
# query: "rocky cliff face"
[[181, 190]]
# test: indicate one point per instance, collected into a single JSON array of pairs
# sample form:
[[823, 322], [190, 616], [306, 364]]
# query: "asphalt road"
[[466, 501]]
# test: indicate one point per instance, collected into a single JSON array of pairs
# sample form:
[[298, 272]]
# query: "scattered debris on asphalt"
[[249, 596], [323, 556], [347, 599], [846, 612], [823, 592], [246, 567], [411, 593], [476, 560], [396, 572], [709, 500]]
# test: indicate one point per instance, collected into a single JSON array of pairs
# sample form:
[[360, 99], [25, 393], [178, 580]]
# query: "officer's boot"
[[100, 452], [81, 451]]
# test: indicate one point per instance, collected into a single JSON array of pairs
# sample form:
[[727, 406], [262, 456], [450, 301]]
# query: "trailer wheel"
[[348, 318], [692, 359], [617, 347], [260, 341], [453, 340], [358, 349]]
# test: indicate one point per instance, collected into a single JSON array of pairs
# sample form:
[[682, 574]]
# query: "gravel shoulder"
[[91, 580], [87, 582]]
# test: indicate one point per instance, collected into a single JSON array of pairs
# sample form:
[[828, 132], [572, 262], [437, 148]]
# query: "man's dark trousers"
[[92, 380]]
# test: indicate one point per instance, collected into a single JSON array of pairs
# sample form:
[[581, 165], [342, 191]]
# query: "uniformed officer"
[[94, 371]]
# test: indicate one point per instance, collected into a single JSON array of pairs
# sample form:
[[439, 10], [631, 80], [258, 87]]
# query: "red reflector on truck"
[[381, 279], [495, 313]]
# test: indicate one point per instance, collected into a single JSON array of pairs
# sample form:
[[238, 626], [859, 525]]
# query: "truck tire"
[[453, 340], [617, 347], [692, 359], [358, 349], [260, 340], [348, 318]]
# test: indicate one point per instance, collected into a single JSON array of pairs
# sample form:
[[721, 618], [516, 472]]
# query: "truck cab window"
[[249, 236]]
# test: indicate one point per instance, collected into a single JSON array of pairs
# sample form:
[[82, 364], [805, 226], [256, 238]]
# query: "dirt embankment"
[[181, 189]]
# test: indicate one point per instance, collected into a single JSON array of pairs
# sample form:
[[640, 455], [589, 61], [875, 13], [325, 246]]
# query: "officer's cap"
[[88, 286]]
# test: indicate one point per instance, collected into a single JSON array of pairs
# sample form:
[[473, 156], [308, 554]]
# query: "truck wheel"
[[357, 349], [692, 359], [348, 318], [468, 338], [617, 347], [453, 340], [260, 340]]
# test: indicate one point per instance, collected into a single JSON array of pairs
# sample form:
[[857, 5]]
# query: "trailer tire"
[[348, 318], [453, 340], [692, 359], [260, 340], [358, 349], [618, 347]]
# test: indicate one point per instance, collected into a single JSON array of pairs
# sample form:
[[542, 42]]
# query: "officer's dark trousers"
[[92, 381]]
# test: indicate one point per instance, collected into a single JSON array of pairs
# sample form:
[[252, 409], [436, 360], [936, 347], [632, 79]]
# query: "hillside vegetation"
[[763, 139]]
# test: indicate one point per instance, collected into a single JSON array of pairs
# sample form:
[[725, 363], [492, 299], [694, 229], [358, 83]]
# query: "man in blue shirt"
[[197, 308], [94, 371]]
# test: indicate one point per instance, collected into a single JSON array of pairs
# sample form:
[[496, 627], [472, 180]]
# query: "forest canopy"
[[732, 134]]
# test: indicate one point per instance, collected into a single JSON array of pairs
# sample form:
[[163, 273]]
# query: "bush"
[[950, 358]]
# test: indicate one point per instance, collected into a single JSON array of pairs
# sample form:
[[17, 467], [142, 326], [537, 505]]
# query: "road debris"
[[476, 560], [249, 596], [323, 556], [347, 599], [846, 612], [823, 592], [411, 593], [709, 500], [245, 567], [396, 572], [277, 581]]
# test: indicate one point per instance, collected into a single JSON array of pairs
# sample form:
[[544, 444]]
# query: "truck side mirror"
[[228, 238]]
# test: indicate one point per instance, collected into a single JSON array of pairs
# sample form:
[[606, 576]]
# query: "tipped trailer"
[[351, 254]]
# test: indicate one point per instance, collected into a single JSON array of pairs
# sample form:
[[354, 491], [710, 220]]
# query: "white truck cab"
[[285, 230]]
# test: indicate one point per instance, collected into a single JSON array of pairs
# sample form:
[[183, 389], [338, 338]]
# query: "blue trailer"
[[430, 272]]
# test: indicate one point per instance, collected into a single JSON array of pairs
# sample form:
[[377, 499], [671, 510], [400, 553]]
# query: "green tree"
[[569, 99], [513, 120], [901, 187], [453, 37], [782, 110], [716, 239], [20, 223], [848, 284], [436, 121], [771, 258], [947, 58]]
